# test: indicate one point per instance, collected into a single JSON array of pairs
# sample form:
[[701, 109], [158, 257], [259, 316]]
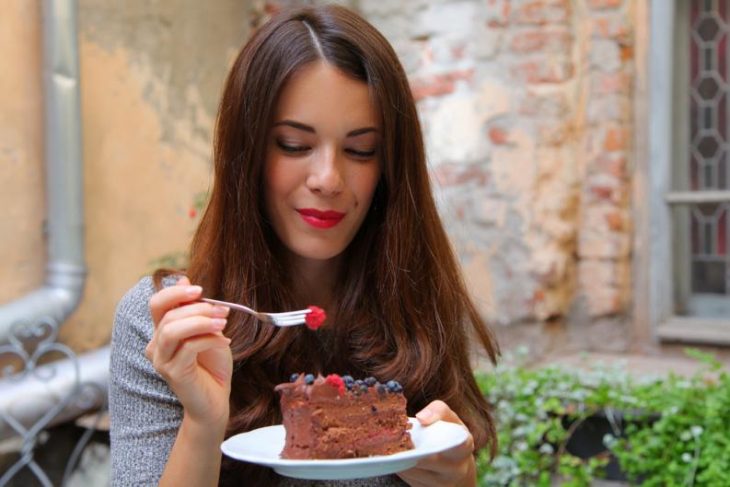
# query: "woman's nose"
[[325, 175]]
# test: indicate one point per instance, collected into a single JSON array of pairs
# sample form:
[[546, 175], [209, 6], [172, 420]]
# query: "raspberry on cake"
[[339, 417]]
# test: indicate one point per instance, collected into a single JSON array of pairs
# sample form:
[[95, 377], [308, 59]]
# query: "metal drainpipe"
[[66, 271], [29, 401]]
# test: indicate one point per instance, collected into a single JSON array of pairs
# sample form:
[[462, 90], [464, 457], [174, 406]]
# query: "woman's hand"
[[189, 351], [452, 468]]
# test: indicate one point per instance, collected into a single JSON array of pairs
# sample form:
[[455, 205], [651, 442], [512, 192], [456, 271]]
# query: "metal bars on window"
[[700, 195]]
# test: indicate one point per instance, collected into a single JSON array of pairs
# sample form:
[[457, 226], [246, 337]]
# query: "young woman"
[[321, 196]]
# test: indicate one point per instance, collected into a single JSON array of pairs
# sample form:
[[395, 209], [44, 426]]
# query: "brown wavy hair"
[[403, 311]]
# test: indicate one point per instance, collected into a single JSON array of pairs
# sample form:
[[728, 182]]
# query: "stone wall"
[[527, 109]]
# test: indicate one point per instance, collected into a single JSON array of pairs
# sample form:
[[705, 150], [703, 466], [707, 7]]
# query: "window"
[[694, 182]]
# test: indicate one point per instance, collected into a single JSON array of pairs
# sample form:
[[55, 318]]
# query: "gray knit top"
[[145, 414]]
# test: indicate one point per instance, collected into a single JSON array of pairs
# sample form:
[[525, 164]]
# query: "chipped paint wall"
[[526, 106], [151, 73]]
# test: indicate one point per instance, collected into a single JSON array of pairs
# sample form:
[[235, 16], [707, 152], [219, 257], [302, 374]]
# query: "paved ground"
[[637, 365], [53, 453]]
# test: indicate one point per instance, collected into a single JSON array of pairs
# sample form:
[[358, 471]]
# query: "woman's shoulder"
[[137, 296], [135, 301], [132, 319]]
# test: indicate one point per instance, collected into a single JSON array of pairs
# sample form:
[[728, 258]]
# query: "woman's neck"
[[315, 281]]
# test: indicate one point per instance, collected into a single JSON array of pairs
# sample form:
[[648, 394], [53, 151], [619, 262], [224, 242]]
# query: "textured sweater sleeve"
[[145, 414]]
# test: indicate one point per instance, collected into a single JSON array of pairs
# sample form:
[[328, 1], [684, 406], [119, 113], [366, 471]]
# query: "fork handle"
[[231, 305]]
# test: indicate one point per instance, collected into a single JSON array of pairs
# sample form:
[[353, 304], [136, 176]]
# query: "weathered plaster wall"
[[151, 74], [527, 111], [21, 150]]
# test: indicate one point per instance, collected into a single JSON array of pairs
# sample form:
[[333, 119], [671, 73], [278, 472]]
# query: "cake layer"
[[336, 418]]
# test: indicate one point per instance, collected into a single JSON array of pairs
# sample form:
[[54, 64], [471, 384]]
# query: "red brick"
[[498, 13], [460, 174], [498, 136], [541, 41], [615, 221], [439, 84], [616, 139], [604, 4], [613, 164], [542, 12], [618, 82], [611, 27], [601, 192], [540, 71], [627, 53]]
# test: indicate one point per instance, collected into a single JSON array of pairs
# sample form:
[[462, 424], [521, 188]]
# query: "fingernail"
[[219, 323], [220, 310], [193, 290], [424, 415]]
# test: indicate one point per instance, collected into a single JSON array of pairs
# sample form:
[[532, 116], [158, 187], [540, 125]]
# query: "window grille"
[[700, 194]]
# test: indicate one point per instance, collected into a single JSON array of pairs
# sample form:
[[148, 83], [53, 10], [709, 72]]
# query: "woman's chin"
[[316, 252]]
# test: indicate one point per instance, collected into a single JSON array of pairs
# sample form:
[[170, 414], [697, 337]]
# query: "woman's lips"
[[321, 219]]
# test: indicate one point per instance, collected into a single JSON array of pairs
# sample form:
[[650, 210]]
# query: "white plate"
[[263, 446]]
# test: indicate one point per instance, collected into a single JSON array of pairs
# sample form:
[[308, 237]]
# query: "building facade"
[[579, 151]]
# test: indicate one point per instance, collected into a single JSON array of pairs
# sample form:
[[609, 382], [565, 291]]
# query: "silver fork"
[[290, 318]]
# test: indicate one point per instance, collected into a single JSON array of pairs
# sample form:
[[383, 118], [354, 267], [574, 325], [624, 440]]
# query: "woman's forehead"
[[319, 91]]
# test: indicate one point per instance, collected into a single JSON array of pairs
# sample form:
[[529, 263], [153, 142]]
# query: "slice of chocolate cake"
[[338, 417]]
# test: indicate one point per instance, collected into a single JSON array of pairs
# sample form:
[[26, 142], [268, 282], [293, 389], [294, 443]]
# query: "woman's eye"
[[291, 148], [361, 154]]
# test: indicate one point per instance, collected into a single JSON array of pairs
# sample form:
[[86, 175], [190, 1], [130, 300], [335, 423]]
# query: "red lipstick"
[[319, 218]]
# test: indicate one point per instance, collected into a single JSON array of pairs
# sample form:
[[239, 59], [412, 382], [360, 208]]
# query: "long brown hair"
[[403, 310]]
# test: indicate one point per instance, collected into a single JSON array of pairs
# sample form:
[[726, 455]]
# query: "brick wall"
[[526, 108]]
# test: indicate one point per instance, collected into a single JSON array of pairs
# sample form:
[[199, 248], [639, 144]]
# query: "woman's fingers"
[[440, 474], [171, 297], [194, 309], [169, 337], [458, 453], [452, 467], [184, 361], [421, 478], [435, 411]]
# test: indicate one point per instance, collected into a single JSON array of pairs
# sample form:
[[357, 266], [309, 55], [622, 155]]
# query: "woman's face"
[[321, 165]]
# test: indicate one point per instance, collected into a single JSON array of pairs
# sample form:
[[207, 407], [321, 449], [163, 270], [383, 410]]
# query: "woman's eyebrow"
[[364, 130], [308, 128], [296, 125]]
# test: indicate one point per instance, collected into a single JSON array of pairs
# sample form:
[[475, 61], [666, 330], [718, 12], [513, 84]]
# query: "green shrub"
[[677, 429]]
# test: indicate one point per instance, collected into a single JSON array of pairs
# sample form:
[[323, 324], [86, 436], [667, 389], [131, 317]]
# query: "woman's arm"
[[145, 414], [170, 382], [195, 458]]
